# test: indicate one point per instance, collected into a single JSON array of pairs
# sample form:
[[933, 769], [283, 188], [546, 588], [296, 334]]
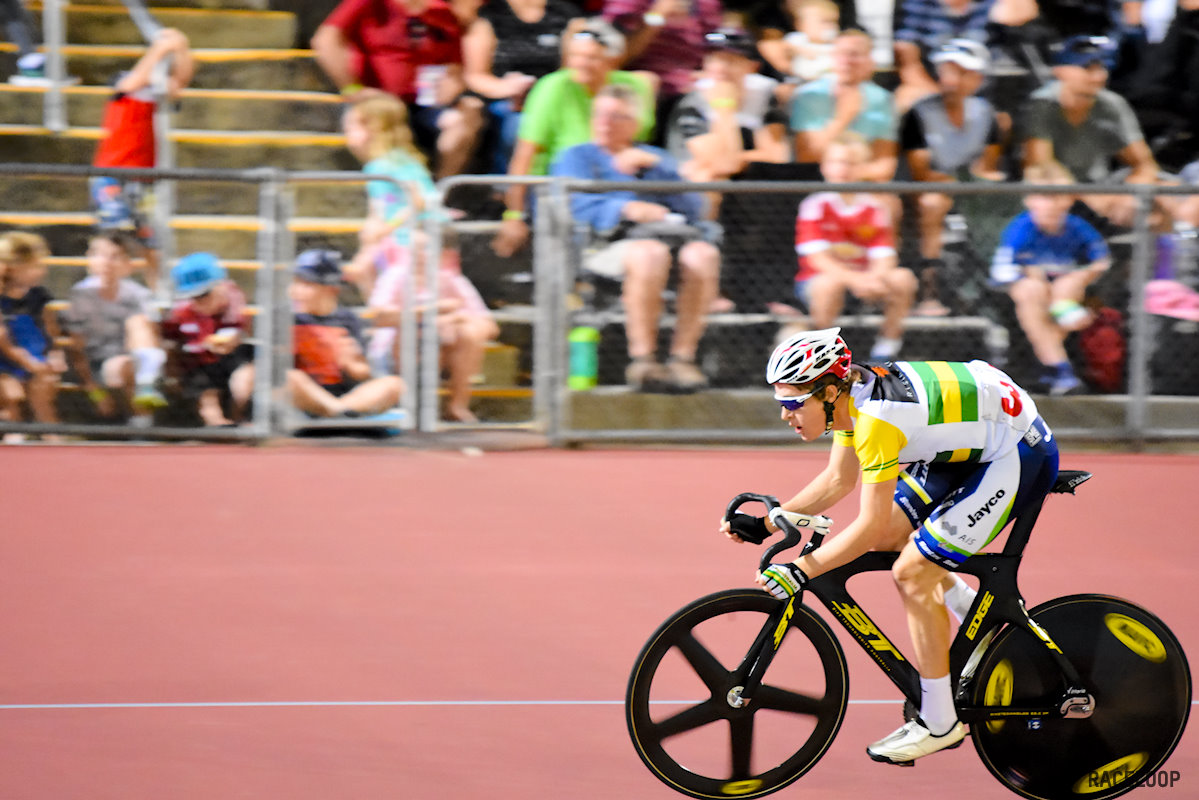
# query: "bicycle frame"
[[998, 603]]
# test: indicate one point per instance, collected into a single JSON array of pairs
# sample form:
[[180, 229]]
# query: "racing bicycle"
[[1083, 695]]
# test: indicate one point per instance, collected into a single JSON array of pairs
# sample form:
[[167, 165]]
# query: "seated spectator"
[[1165, 89], [847, 100], [731, 119], [378, 135], [1076, 121], [846, 243], [115, 347], [505, 50], [626, 221], [204, 333], [665, 37], [921, 27], [1047, 258], [30, 365], [129, 141], [464, 323], [804, 53], [557, 115], [949, 136], [411, 49], [331, 377]]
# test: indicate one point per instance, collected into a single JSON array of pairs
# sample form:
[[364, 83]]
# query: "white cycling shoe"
[[914, 741]]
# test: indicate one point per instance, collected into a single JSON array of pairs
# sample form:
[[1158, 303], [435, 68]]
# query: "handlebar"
[[792, 535]]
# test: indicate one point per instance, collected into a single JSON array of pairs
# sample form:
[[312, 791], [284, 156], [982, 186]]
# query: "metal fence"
[[1145, 391], [545, 292]]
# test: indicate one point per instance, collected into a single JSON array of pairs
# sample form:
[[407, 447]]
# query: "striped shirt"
[[934, 411], [932, 23]]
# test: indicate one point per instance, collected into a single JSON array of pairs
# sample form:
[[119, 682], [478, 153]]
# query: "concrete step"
[[204, 27], [69, 195], [240, 68], [200, 109], [230, 237], [30, 144]]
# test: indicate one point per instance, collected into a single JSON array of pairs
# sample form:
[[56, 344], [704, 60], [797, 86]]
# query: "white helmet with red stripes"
[[806, 356]]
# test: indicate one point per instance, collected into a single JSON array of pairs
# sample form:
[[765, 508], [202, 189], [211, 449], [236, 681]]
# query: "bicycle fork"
[[748, 676]]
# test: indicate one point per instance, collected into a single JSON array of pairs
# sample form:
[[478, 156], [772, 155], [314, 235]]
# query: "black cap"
[[319, 266], [1082, 51]]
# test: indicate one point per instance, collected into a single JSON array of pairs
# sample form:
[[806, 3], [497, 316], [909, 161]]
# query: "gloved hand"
[[783, 580], [750, 528]]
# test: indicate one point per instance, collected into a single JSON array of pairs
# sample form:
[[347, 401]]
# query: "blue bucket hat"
[[1083, 51], [196, 274]]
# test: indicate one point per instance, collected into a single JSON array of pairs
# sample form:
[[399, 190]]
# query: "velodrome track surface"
[[367, 623]]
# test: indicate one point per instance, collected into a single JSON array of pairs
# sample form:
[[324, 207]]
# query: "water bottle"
[[584, 358]]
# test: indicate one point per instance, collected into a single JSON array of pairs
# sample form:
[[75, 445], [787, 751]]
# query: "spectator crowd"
[[1049, 93]]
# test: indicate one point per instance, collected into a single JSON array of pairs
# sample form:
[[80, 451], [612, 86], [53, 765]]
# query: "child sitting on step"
[[205, 330], [30, 365]]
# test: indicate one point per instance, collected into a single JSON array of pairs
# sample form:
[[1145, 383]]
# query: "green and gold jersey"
[[931, 411]]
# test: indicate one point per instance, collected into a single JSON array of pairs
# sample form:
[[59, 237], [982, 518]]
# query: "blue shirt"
[[1023, 244], [390, 201], [813, 105], [602, 210]]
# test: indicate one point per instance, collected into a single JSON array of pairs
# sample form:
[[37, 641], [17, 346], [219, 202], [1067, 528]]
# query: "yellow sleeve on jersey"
[[877, 444]]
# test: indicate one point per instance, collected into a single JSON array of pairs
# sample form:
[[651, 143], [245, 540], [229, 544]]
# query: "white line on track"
[[368, 704], [357, 704]]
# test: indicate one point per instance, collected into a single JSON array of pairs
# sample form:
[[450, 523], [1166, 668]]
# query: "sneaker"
[[643, 373], [684, 377], [914, 741], [148, 398], [31, 71], [1064, 383]]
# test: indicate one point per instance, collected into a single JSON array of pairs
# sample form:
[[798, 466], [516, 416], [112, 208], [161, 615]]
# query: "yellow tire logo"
[[1136, 637], [999, 691], [738, 788], [1112, 773]]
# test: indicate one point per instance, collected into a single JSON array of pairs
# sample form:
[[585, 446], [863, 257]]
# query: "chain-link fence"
[[952, 298], [558, 357]]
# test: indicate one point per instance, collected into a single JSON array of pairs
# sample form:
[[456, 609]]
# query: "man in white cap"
[[953, 135]]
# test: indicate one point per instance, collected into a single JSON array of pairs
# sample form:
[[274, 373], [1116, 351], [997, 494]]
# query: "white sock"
[[149, 361], [936, 705], [959, 598]]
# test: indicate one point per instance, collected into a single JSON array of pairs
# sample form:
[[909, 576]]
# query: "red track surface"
[[213, 575]]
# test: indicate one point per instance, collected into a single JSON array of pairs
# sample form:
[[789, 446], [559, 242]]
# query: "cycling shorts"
[[957, 509]]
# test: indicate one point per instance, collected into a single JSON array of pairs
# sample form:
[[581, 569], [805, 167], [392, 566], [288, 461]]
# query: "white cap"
[[966, 53]]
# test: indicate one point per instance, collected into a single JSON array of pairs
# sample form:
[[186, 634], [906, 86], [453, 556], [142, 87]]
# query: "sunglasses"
[[793, 403]]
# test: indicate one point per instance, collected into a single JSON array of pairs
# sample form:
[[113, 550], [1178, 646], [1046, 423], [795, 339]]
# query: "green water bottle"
[[584, 358]]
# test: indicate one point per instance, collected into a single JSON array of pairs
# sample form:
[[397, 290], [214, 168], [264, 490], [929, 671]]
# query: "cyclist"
[[977, 454]]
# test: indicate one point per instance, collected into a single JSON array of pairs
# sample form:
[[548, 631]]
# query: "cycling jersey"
[[935, 411], [977, 452]]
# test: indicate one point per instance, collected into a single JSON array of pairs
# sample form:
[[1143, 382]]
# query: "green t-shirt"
[[557, 114]]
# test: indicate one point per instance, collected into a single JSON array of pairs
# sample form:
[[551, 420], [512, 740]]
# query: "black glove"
[[750, 528]]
